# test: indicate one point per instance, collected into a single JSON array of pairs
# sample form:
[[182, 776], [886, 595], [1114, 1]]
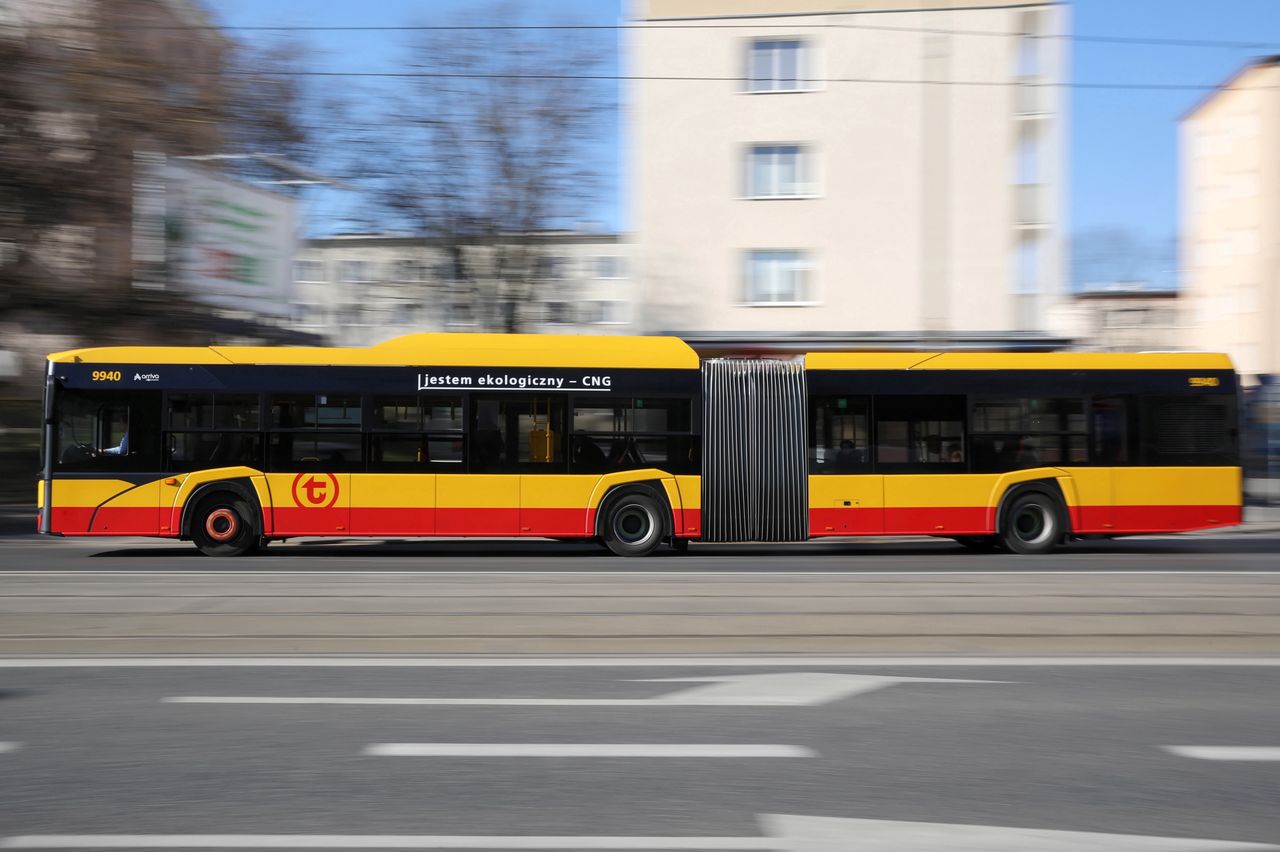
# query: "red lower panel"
[[393, 521], [692, 519], [936, 520], [1142, 519], [962, 520], [109, 520], [557, 522], [845, 520], [292, 520], [478, 521], [71, 520]]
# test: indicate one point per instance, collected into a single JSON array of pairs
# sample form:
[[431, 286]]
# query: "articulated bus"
[[634, 442]]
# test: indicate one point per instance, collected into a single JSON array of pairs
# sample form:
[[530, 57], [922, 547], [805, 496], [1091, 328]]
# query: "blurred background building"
[[1121, 318], [356, 290], [1231, 219], [844, 184], [1230, 180]]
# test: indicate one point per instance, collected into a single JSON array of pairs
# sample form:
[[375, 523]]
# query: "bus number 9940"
[[105, 375]]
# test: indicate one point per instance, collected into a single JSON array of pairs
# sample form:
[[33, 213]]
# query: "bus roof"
[[445, 350], [1017, 361]]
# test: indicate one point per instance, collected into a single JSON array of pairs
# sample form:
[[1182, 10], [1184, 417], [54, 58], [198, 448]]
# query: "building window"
[[353, 271], [602, 313], [779, 171], [556, 313], [609, 266], [309, 271], [778, 277], [1030, 39], [777, 65], [550, 267], [1027, 267]]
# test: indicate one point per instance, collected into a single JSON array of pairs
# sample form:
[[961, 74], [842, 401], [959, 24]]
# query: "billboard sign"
[[228, 243]]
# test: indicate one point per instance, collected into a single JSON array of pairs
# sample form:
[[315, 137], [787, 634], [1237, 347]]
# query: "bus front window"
[[99, 430]]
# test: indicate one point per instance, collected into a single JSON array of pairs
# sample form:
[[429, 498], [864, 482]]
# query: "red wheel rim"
[[222, 524]]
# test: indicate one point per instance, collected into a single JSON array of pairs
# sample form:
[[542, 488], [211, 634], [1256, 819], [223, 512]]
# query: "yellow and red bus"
[[635, 442]]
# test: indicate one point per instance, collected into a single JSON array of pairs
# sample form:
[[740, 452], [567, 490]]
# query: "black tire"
[[977, 542], [222, 525], [634, 525], [1032, 523]]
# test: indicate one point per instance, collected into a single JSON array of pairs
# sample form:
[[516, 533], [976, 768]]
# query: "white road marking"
[[375, 841], [774, 689], [620, 575], [624, 662], [583, 750], [8, 747], [785, 834], [833, 834], [1236, 753]]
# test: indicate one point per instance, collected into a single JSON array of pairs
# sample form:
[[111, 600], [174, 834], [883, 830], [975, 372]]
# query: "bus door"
[[485, 501], [920, 448], [845, 497], [314, 446], [552, 503], [1112, 428]]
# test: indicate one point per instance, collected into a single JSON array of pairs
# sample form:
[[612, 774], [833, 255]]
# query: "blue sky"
[[1122, 166]]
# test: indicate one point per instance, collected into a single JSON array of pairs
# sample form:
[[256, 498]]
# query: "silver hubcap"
[[633, 524], [1032, 524]]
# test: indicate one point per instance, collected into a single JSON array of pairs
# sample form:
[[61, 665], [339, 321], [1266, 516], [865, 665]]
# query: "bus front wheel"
[[634, 525], [222, 526], [1032, 524]]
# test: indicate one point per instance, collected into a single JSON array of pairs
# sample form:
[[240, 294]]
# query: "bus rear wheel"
[[1032, 524], [222, 526], [633, 526]]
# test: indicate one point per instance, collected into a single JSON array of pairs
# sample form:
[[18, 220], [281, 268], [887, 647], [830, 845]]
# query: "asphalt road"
[[1171, 595], [95, 750], [530, 695]]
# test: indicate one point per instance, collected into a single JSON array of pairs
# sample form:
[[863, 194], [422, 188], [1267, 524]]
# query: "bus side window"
[[1110, 417], [839, 435], [923, 431]]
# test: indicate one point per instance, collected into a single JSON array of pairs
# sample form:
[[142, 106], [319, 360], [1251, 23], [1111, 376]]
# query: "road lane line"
[[384, 841], [713, 750], [628, 662], [759, 689], [615, 575], [1232, 753]]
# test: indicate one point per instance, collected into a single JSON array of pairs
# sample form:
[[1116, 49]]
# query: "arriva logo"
[[146, 377]]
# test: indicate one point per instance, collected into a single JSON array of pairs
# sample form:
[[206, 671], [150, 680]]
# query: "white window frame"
[[807, 186], [774, 84], [803, 260]]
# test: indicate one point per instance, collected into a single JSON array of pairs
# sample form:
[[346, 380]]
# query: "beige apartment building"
[[1230, 179], [856, 166]]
